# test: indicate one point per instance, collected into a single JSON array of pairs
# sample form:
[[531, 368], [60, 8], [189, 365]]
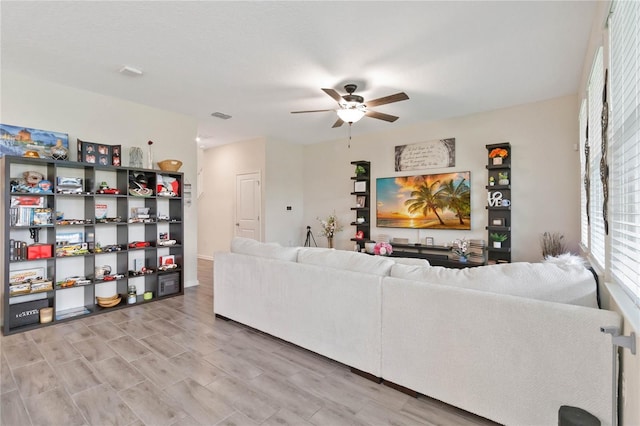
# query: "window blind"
[[596, 197], [584, 224], [625, 146]]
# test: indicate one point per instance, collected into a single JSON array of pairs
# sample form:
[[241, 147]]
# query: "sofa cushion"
[[414, 261], [269, 250], [562, 283], [347, 260]]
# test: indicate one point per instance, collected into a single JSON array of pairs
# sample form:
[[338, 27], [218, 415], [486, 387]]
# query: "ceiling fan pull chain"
[[349, 145]]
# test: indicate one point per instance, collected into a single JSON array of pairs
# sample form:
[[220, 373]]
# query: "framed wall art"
[[98, 153], [438, 201], [16, 140], [359, 186]]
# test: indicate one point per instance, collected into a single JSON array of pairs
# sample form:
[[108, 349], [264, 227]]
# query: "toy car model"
[[168, 266], [139, 244], [143, 271], [112, 191], [113, 277], [167, 242], [68, 185]]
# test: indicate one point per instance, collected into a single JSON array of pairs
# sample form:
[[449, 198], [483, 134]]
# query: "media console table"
[[436, 255]]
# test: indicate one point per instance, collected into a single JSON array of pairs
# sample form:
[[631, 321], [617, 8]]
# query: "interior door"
[[248, 202]]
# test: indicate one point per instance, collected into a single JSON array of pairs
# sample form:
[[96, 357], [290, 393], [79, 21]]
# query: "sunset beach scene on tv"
[[437, 201]]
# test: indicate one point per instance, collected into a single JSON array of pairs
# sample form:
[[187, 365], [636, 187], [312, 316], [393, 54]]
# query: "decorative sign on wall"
[[426, 155]]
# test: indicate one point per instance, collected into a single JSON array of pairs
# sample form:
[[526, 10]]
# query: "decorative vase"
[[135, 157], [59, 152], [503, 182], [497, 244], [497, 161], [463, 259], [368, 247], [330, 242]]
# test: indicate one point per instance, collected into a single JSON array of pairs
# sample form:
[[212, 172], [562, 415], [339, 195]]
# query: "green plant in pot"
[[503, 178], [360, 170], [498, 239]]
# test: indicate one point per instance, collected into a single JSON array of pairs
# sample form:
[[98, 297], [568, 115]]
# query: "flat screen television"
[[437, 201]]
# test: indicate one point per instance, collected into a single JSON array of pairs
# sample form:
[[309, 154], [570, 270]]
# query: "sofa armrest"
[[511, 359]]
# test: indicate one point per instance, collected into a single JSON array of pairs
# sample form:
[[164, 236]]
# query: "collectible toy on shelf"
[[68, 185], [138, 185], [31, 182], [104, 189], [167, 186]]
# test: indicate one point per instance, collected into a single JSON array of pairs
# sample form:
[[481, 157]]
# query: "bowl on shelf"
[[170, 165], [108, 302]]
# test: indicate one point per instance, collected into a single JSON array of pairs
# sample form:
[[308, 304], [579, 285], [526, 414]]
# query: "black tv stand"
[[436, 255]]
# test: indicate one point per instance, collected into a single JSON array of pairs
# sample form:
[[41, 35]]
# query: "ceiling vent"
[[130, 71], [221, 115]]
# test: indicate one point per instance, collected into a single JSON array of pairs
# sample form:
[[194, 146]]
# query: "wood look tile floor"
[[173, 363]]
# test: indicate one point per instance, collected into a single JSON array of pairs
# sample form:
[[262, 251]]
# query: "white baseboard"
[[191, 283], [204, 257]]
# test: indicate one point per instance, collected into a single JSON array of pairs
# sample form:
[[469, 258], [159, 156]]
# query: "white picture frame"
[[359, 186]]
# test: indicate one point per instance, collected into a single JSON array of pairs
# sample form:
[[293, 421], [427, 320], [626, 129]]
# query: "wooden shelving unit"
[[362, 202], [99, 242], [499, 203]]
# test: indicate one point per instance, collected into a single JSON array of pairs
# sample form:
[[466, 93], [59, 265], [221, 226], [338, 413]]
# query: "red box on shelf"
[[39, 251]]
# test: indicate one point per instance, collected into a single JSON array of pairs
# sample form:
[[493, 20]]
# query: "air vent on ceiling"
[[130, 71], [221, 115]]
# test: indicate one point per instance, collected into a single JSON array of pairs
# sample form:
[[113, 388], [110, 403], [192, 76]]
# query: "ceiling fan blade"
[[381, 116], [387, 99], [338, 123], [335, 95], [314, 110]]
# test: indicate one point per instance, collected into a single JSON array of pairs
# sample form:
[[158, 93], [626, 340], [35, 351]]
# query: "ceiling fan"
[[353, 107]]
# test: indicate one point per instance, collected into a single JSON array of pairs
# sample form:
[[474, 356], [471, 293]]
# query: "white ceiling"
[[257, 61]]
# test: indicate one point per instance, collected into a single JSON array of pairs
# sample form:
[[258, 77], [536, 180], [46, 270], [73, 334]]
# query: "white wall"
[[284, 188], [216, 215], [545, 182], [98, 118]]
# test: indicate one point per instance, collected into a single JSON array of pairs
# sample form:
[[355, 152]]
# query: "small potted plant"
[[498, 154], [492, 181], [360, 170], [498, 239], [503, 178]]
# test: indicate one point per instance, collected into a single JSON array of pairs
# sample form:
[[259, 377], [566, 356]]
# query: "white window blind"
[[584, 225], [625, 146], [594, 105]]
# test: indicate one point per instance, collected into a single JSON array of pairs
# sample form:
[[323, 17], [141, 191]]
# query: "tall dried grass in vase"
[[552, 245]]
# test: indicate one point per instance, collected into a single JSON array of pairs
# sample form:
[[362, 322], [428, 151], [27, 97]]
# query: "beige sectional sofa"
[[508, 342]]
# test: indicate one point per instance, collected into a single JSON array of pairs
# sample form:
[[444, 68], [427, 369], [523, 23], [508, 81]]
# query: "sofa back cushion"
[[268, 250], [413, 261], [347, 260], [562, 283]]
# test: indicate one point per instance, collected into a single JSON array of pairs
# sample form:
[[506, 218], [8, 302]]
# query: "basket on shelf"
[[170, 165], [109, 302]]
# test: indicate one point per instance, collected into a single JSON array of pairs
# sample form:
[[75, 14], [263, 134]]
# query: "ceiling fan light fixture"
[[351, 115]]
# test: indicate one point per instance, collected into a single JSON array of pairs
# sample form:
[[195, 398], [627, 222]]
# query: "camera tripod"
[[307, 242]]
